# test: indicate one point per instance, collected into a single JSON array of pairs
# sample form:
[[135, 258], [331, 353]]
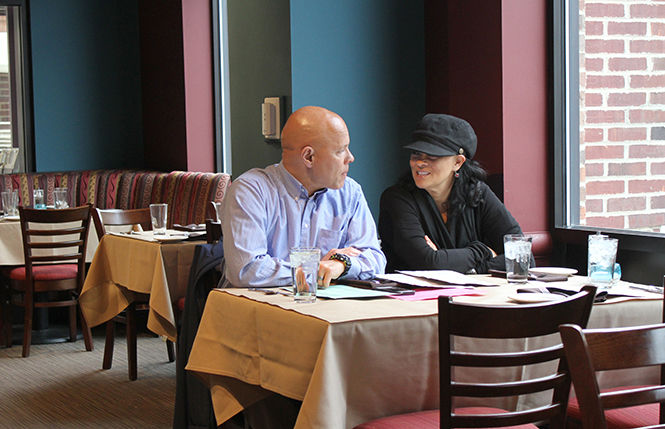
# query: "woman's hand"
[[430, 243]]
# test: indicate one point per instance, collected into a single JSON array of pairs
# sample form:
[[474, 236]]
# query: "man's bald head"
[[310, 125], [312, 137]]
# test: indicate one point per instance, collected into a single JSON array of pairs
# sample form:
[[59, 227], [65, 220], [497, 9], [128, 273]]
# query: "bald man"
[[306, 200]]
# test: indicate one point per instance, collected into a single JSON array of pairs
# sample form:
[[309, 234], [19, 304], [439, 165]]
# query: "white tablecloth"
[[349, 361], [11, 243]]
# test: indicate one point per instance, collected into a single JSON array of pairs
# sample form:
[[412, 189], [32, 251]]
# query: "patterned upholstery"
[[187, 193]]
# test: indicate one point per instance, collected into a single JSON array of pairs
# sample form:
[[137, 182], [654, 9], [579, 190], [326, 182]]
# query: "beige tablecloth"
[[11, 243], [349, 361], [123, 265]]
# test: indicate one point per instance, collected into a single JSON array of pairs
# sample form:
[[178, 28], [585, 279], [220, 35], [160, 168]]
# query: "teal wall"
[[366, 61], [86, 84], [259, 66]]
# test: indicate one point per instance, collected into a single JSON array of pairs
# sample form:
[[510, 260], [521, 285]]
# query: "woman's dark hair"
[[466, 191]]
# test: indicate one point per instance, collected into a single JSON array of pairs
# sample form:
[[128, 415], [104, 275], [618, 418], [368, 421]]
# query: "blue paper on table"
[[343, 291]]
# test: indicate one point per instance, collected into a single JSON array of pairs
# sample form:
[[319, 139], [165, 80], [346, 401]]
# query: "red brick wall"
[[622, 114]]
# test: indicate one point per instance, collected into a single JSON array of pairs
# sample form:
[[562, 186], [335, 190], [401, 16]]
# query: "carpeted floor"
[[63, 386]]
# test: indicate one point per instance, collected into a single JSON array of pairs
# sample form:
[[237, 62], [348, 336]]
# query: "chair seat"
[[620, 418], [46, 272], [428, 419]]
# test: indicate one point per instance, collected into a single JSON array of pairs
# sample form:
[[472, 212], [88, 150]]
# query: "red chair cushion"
[[428, 419], [420, 420], [46, 272], [620, 418]]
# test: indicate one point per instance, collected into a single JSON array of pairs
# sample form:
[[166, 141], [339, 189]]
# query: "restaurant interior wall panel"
[[86, 85], [366, 61], [163, 85], [197, 53], [494, 64], [469, 62], [259, 66], [526, 147]]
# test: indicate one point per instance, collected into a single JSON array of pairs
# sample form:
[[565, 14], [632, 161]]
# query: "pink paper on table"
[[423, 294]]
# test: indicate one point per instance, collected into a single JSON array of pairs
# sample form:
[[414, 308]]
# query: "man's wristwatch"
[[343, 259]]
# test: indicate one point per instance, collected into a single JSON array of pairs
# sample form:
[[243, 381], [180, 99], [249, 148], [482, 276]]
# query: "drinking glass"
[[10, 203], [517, 249], [304, 271], [38, 199], [158, 217], [601, 260], [61, 198]]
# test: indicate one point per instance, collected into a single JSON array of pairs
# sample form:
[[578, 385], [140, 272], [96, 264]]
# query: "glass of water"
[[61, 198], [38, 199], [304, 271], [158, 216], [601, 259], [517, 249]]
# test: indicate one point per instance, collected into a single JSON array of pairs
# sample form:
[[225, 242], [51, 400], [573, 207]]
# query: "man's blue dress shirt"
[[266, 212]]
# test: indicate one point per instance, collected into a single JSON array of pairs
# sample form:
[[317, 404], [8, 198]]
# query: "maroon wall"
[[176, 80], [487, 63]]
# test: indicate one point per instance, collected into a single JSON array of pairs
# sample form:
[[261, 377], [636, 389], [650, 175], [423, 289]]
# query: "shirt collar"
[[293, 186]]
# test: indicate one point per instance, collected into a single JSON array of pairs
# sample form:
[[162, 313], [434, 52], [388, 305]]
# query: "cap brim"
[[429, 148]]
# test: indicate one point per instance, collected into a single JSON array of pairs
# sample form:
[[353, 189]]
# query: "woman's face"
[[434, 174]]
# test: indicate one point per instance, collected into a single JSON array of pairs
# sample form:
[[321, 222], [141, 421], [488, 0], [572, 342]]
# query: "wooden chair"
[[591, 350], [482, 322], [214, 211], [54, 267], [213, 231], [117, 217]]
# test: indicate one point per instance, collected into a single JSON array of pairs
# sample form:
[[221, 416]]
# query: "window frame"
[[25, 104]]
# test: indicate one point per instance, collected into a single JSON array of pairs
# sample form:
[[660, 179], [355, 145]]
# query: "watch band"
[[343, 259]]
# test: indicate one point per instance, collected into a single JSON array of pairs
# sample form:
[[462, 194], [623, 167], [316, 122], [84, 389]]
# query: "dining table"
[[353, 360], [129, 263]]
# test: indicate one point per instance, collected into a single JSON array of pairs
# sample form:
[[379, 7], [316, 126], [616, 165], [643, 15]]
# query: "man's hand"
[[331, 269], [328, 270]]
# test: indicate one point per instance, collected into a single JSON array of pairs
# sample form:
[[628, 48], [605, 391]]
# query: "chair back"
[[215, 211], [63, 231], [118, 217], [506, 322], [589, 351], [213, 231]]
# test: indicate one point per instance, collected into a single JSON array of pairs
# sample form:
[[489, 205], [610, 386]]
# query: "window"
[[15, 93], [610, 114], [221, 78]]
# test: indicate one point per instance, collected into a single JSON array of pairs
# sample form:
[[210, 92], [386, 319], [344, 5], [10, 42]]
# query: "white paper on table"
[[435, 278]]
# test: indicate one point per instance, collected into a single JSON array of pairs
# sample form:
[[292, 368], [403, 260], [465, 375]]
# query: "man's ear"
[[307, 154]]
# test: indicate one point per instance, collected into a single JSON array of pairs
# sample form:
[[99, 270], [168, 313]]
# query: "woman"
[[443, 215]]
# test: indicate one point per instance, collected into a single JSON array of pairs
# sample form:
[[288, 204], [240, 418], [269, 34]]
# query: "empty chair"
[[480, 323], [591, 350], [128, 218], [54, 243]]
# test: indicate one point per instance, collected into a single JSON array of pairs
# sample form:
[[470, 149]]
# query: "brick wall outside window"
[[622, 114]]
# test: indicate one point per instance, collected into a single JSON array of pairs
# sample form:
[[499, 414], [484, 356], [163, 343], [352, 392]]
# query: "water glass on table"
[[38, 199], [517, 250], [304, 272], [10, 203], [601, 260], [158, 218], [61, 198]]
